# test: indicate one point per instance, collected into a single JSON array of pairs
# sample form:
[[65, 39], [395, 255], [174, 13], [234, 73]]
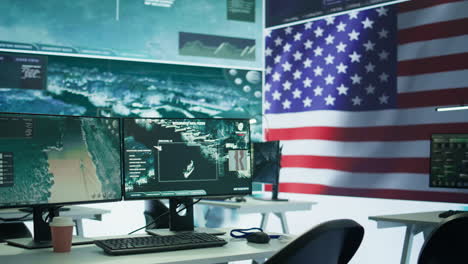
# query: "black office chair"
[[156, 214], [13, 230], [332, 242], [448, 243]]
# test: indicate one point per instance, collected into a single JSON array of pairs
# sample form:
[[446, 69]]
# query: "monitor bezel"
[[279, 149], [124, 192], [59, 204], [430, 161]]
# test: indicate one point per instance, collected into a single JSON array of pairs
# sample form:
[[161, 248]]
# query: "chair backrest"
[[448, 243], [156, 213], [332, 242]]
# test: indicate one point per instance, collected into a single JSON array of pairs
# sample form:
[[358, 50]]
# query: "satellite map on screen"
[[57, 159]]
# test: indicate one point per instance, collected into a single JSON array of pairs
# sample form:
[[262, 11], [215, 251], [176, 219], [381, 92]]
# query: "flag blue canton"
[[346, 63]]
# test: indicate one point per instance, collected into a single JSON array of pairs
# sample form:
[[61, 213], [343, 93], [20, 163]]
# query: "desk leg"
[[284, 223], [264, 221], [79, 227], [407, 244]]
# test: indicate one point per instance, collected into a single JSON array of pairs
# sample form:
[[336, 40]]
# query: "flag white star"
[[308, 25], [329, 59], [286, 66], [297, 74], [329, 39], [276, 95], [307, 63], [267, 105], [355, 57], [353, 15], [318, 71], [307, 102], [382, 11], [329, 100], [297, 55], [370, 89], [287, 85], [341, 27], [369, 45], [383, 99], [383, 77], [318, 51], [318, 32], [287, 47], [308, 44], [298, 36], [268, 52], [307, 82], [356, 100], [318, 91], [286, 104], [342, 89], [297, 93], [341, 47], [367, 23], [383, 33], [288, 30], [370, 67], [267, 87], [276, 77], [278, 41], [277, 59], [329, 79], [383, 55], [330, 20], [353, 35], [268, 70], [341, 68], [356, 79]]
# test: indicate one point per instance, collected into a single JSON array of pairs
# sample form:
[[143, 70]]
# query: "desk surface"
[[252, 205], [236, 249], [411, 218], [75, 212]]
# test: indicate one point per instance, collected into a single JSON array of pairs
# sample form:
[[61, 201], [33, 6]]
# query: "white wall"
[[381, 246]]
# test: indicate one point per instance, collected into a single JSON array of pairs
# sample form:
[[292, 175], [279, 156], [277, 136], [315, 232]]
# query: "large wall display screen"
[[280, 12], [97, 87], [138, 29]]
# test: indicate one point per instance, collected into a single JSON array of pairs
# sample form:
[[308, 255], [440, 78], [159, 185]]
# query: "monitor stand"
[[182, 221], [274, 195], [42, 236]]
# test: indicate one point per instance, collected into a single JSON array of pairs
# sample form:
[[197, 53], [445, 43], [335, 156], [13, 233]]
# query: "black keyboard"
[[186, 240]]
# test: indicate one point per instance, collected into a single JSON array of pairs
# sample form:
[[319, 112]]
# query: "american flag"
[[353, 98]]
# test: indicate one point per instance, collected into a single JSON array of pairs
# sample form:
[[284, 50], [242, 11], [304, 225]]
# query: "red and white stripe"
[[385, 154]]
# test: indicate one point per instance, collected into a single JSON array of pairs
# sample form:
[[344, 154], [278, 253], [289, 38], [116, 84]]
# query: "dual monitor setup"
[[47, 161]]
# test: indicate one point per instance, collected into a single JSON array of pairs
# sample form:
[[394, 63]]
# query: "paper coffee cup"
[[61, 229]]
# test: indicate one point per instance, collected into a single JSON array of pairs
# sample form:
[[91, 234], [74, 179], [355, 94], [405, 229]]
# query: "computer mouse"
[[258, 237]]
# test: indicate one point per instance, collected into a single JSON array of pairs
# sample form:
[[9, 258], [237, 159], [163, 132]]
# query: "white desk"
[[251, 206], [235, 250], [415, 223], [77, 213]]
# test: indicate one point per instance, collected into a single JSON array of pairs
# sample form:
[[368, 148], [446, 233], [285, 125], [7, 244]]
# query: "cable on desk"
[[157, 218]]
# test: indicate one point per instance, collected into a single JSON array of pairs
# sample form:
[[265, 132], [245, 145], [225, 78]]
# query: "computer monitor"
[[185, 158], [47, 161], [449, 161], [267, 164]]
